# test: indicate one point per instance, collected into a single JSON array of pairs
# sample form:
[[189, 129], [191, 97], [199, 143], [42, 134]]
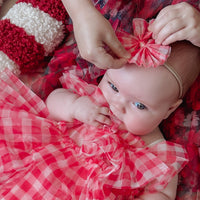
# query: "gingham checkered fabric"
[[144, 51], [41, 160]]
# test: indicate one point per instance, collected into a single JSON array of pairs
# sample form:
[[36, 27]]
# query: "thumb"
[[117, 48]]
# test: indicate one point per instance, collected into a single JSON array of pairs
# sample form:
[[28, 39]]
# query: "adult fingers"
[[116, 55], [169, 31], [104, 60], [177, 36], [166, 15], [116, 47]]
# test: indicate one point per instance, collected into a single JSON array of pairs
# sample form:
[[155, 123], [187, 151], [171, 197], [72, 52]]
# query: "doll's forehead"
[[123, 71], [147, 78], [131, 71]]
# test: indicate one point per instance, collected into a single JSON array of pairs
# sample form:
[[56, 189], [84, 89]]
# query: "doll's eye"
[[140, 105], [113, 87]]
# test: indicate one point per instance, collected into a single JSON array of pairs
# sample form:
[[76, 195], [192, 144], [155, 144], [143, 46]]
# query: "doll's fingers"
[[103, 119], [97, 124], [104, 111]]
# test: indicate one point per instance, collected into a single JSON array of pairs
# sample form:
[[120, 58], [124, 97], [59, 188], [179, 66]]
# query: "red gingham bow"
[[144, 51]]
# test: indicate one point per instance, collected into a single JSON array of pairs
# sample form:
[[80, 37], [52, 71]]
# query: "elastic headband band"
[[176, 76]]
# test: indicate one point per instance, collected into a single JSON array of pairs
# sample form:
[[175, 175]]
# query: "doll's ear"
[[173, 107]]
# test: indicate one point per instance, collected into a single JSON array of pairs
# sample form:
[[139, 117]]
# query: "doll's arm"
[[169, 193], [177, 22], [64, 105], [93, 32]]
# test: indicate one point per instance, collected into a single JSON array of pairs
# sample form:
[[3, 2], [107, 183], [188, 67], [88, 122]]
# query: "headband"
[[176, 76], [144, 51]]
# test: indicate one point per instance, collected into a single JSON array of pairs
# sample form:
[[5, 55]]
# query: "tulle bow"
[[144, 51]]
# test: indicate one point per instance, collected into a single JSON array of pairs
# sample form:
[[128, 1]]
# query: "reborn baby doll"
[[43, 157], [23, 46]]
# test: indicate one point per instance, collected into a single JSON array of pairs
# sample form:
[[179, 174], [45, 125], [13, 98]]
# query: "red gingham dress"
[[182, 127], [45, 159]]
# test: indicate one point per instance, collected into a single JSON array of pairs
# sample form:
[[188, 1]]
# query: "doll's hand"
[[93, 33], [88, 112], [177, 22]]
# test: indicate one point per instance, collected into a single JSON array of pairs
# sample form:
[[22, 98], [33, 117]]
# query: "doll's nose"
[[120, 108], [119, 104]]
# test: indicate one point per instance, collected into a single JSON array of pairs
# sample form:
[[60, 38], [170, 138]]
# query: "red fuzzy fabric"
[[54, 8], [20, 47]]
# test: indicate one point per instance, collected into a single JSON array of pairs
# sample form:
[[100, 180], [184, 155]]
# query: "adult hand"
[[177, 22], [97, 41], [95, 36]]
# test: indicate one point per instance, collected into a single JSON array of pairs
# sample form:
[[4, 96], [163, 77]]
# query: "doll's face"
[[140, 97]]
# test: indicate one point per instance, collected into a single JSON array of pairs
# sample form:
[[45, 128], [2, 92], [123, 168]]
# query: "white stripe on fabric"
[[47, 30]]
